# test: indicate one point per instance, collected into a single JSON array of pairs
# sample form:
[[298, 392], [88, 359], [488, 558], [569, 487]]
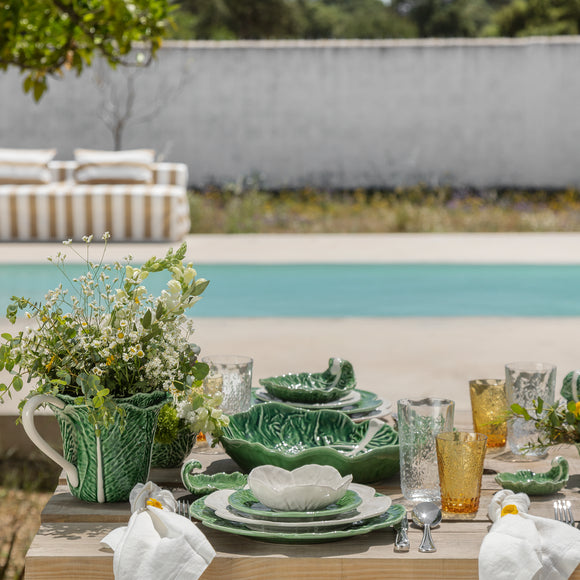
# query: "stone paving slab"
[[528, 248]]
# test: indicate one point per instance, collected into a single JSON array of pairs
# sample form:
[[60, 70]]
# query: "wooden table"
[[67, 543]]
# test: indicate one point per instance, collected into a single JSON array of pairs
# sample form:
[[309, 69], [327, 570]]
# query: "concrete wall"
[[481, 113]]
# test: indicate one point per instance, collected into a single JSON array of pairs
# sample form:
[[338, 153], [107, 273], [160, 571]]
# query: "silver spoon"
[[425, 515]]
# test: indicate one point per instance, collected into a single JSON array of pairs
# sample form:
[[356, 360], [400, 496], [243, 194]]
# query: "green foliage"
[[406, 209], [46, 38], [286, 19], [440, 18], [558, 424], [105, 337], [315, 19], [168, 425], [353, 19], [538, 18]]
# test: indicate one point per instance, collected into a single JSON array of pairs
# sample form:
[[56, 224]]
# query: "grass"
[[26, 484], [417, 209]]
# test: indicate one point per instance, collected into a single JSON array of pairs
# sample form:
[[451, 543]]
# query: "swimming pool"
[[347, 290]]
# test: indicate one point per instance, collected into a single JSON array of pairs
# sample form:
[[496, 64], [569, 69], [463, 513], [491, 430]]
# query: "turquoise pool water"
[[346, 290]]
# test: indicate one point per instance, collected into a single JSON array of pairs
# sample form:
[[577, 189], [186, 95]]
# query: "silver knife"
[[402, 538]]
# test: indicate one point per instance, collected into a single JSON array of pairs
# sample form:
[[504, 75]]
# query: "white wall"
[[346, 114]]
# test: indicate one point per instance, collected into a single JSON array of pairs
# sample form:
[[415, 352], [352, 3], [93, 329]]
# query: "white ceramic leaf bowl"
[[306, 488]]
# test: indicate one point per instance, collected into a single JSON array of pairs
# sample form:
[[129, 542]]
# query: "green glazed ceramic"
[[537, 483], [334, 383], [167, 455], [123, 455], [202, 484], [349, 399], [387, 520], [245, 502], [368, 402], [282, 435]]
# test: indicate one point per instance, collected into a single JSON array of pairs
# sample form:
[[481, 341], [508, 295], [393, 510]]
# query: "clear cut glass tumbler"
[[524, 382], [236, 380], [419, 421]]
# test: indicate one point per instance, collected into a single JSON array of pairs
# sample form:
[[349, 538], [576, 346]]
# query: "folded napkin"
[[158, 543], [520, 546]]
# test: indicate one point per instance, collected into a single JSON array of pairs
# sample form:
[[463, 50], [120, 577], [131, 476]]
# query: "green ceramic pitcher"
[[102, 468]]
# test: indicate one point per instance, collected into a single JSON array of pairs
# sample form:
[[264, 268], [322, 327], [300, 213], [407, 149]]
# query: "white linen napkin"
[[157, 542], [520, 546]]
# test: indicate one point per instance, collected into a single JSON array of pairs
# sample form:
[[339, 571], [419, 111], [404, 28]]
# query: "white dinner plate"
[[372, 505]]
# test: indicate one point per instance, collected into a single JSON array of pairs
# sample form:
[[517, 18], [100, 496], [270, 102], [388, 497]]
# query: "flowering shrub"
[[103, 337]]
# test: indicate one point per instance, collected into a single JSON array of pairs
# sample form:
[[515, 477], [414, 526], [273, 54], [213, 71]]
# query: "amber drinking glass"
[[460, 458], [488, 407]]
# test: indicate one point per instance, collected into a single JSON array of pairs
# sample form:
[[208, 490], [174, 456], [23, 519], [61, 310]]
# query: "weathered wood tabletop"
[[67, 544]]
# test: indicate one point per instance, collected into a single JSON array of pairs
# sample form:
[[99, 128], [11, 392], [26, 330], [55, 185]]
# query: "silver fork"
[[183, 508], [563, 511]]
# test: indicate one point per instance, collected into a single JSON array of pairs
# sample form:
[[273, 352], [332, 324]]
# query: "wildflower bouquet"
[[102, 337]]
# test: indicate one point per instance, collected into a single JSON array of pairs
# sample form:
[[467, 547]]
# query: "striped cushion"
[[61, 210], [163, 173], [113, 173], [127, 166], [25, 165]]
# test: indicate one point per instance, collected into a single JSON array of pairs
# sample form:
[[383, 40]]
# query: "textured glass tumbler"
[[460, 458], [236, 376], [488, 406], [524, 382], [418, 423]]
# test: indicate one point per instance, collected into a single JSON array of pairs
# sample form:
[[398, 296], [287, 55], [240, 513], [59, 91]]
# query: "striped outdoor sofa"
[[65, 209]]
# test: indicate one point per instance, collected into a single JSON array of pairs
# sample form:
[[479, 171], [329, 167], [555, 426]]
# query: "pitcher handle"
[[28, 423]]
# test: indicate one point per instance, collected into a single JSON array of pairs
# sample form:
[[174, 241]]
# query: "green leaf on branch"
[[519, 410], [17, 383], [147, 318], [199, 371], [11, 312]]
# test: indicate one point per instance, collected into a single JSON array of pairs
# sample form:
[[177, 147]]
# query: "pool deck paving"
[[501, 248], [394, 357]]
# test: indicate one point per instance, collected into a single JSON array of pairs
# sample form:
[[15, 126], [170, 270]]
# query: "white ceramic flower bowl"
[[306, 488]]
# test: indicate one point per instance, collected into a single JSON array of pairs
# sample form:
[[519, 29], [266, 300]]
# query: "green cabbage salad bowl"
[[332, 384], [282, 435]]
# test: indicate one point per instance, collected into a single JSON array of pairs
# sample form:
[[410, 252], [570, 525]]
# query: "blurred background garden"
[[421, 209], [321, 19]]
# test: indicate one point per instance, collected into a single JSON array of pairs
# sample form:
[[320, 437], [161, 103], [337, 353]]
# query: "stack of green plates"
[[358, 404], [360, 511]]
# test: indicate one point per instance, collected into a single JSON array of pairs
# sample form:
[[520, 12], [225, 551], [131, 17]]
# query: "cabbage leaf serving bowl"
[[335, 382], [282, 435], [532, 483]]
